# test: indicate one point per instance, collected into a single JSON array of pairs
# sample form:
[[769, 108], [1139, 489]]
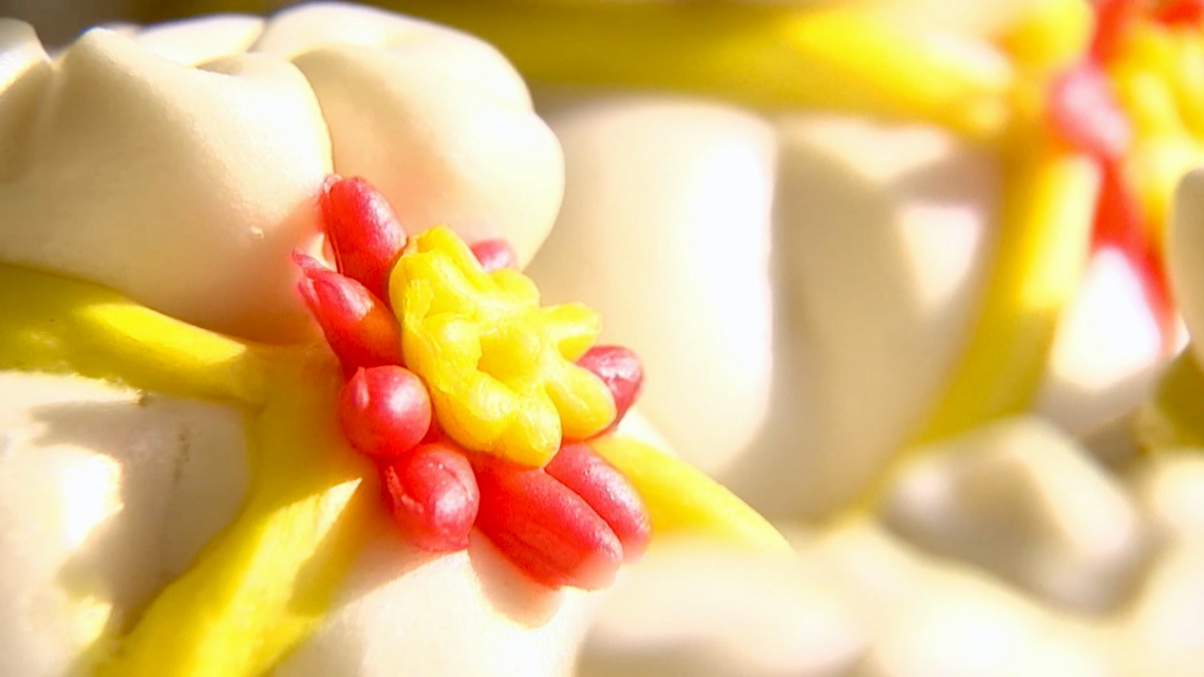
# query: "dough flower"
[[500, 367]]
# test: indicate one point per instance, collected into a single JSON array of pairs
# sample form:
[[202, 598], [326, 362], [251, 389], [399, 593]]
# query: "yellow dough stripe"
[[263, 585], [1044, 240], [837, 58], [682, 500], [55, 324]]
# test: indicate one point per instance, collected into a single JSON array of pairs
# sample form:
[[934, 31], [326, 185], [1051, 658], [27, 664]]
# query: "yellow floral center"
[[499, 367]]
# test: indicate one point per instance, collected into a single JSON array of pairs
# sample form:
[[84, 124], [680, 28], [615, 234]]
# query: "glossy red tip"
[[545, 529], [358, 326], [384, 411], [608, 492], [432, 495], [621, 371], [363, 231]]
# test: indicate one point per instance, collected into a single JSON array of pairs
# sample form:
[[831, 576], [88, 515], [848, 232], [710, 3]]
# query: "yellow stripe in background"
[[1044, 240], [768, 56]]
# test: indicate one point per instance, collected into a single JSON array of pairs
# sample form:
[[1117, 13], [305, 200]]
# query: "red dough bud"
[[1180, 12], [495, 255], [360, 329], [1084, 113], [608, 492], [621, 371], [384, 411], [363, 231], [1113, 19], [546, 530], [432, 495]]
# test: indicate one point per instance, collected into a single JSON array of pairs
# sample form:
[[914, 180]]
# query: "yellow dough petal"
[[682, 500]]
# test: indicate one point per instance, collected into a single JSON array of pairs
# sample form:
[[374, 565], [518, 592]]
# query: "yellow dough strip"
[[264, 584], [1044, 240], [55, 324], [680, 499], [832, 57]]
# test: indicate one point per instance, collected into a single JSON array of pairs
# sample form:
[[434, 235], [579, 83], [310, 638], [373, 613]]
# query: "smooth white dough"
[[441, 153], [450, 52], [997, 498], [438, 120], [183, 188], [884, 234], [666, 232], [24, 69], [106, 494], [1107, 351], [191, 42], [705, 609], [468, 613]]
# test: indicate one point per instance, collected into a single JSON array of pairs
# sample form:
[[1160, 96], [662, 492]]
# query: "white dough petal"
[[886, 232], [196, 41], [184, 189], [440, 152], [24, 70], [705, 610], [1107, 352], [1021, 500], [452, 53], [666, 232], [105, 495], [467, 613]]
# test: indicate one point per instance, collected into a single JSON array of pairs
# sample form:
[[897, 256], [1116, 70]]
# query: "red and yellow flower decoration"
[[471, 397]]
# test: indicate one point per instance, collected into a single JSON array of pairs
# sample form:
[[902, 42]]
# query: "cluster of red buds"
[[572, 522]]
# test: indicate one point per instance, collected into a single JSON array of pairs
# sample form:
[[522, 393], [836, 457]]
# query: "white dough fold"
[[181, 169]]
